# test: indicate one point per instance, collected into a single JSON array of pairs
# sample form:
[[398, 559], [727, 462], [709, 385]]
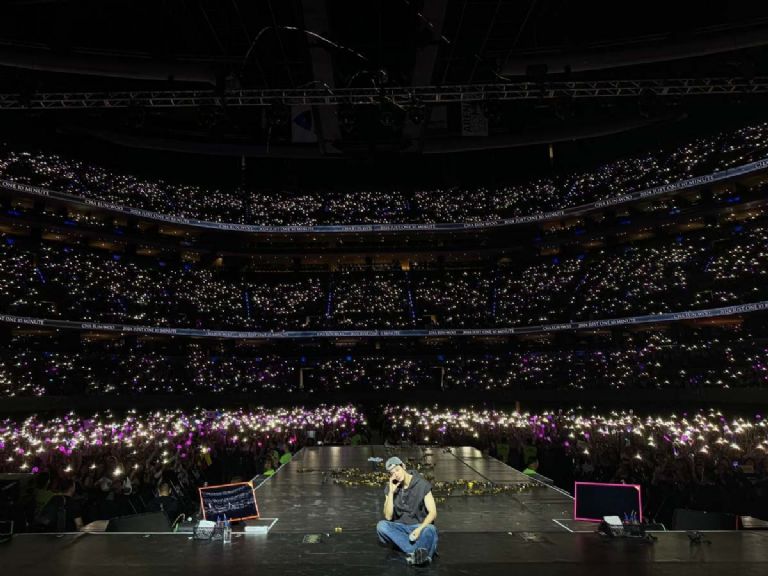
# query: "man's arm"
[[429, 502], [389, 503]]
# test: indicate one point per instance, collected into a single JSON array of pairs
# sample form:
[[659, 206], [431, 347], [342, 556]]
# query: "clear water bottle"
[[227, 533]]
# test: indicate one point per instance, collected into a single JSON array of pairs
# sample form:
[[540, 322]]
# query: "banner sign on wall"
[[294, 335]]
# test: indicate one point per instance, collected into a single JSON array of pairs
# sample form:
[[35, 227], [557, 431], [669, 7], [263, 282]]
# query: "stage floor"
[[305, 499], [530, 532], [356, 553]]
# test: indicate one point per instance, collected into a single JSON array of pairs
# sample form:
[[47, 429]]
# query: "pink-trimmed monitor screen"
[[593, 500]]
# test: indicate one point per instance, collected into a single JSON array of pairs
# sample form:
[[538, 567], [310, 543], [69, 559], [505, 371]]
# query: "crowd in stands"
[[118, 464], [281, 207], [718, 265], [649, 360], [370, 300], [110, 465], [699, 460]]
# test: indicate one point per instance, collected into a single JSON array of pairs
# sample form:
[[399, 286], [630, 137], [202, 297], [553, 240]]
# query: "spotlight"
[[347, 119], [387, 118], [390, 115], [417, 113], [277, 115]]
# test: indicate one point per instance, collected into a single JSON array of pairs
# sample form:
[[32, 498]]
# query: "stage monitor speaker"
[[684, 519], [148, 522]]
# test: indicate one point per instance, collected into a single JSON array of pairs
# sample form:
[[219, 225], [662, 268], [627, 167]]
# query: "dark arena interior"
[[335, 287]]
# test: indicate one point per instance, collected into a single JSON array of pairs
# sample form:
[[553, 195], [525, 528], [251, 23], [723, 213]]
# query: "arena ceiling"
[[286, 43], [221, 46]]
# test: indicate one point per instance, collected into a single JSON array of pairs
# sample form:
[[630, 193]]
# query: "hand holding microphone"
[[393, 486]]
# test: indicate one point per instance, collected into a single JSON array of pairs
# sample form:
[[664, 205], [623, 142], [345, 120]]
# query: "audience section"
[[327, 207]]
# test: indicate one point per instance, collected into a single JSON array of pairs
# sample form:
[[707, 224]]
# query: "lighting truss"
[[400, 95]]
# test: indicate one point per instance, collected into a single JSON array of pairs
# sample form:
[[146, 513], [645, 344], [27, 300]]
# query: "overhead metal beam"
[[625, 52], [433, 12], [276, 26], [107, 66], [326, 119], [481, 50], [400, 96]]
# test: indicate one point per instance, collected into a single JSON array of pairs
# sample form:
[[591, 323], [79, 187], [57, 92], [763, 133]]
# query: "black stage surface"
[[529, 532], [305, 499]]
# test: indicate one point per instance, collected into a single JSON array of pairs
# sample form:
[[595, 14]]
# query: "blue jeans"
[[397, 534]]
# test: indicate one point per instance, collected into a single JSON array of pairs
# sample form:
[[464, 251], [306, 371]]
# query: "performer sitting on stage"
[[409, 509]]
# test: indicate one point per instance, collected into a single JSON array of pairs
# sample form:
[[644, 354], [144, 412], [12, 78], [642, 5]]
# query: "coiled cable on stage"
[[175, 523]]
